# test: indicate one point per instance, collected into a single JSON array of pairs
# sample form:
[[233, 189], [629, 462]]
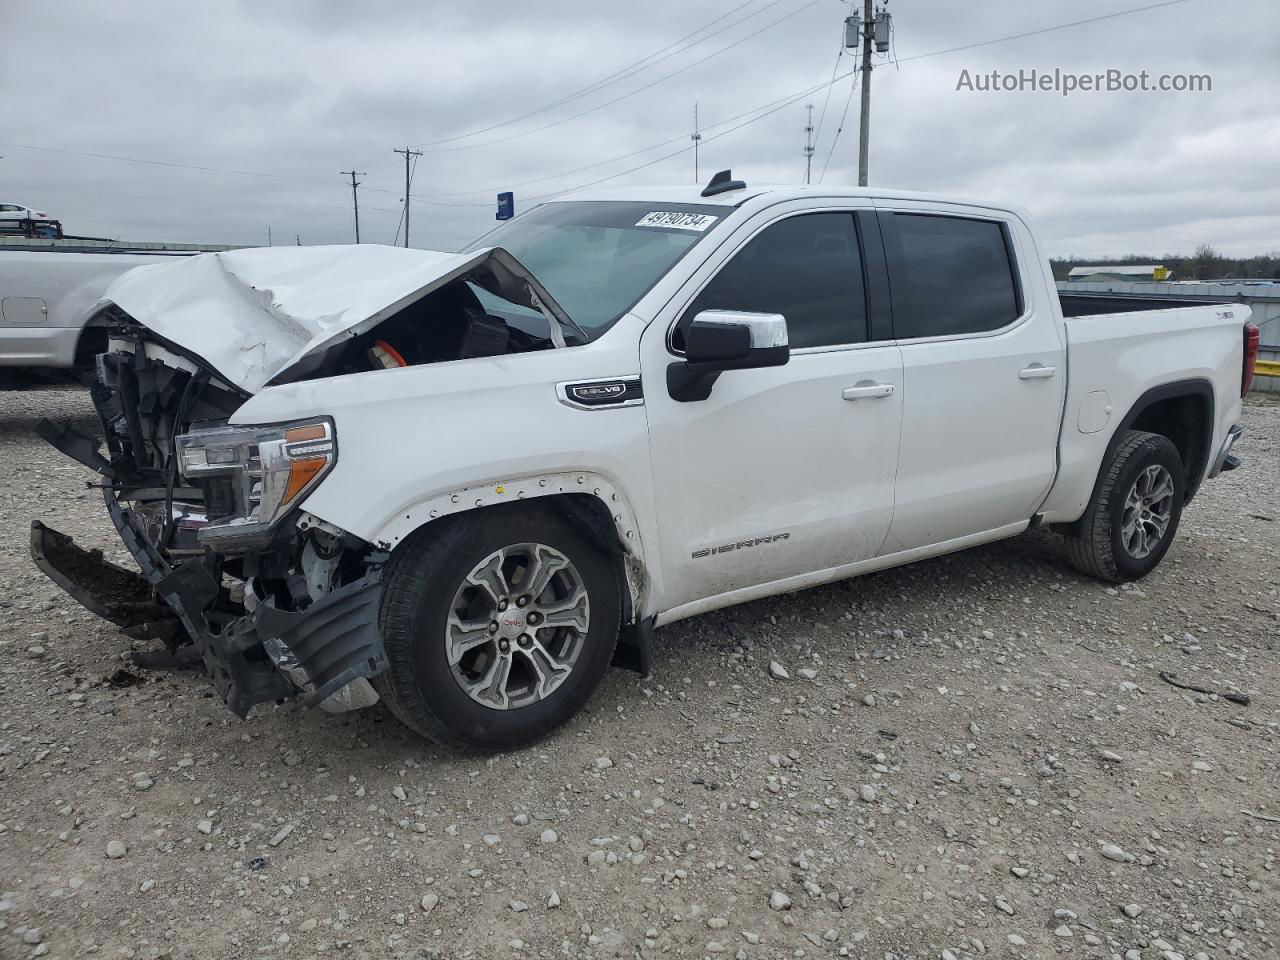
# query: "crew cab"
[[465, 483]]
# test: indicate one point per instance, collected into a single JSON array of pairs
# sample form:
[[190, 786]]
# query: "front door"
[[782, 471]]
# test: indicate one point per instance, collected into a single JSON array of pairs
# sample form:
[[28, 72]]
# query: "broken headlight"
[[270, 469]]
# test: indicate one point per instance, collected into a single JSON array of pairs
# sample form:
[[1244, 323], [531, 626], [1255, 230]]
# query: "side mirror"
[[719, 340]]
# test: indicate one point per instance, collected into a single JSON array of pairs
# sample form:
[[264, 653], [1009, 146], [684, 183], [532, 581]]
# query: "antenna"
[[723, 182], [696, 137], [808, 146]]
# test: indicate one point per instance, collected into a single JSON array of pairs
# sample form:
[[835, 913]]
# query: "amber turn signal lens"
[[301, 473], [315, 431]]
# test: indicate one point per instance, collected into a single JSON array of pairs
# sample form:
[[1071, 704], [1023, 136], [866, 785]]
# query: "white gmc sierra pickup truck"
[[469, 482]]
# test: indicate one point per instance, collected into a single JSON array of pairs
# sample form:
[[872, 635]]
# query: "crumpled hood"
[[254, 314]]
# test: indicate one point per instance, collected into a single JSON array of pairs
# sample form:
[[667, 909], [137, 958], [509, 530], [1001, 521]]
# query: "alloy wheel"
[[517, 626], [1147, 510]]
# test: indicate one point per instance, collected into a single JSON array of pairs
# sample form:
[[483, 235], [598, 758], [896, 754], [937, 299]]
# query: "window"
[[949, 275], [806, 268], [598, 258]]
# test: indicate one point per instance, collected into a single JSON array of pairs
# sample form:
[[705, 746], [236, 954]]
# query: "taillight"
[[1252, 337]]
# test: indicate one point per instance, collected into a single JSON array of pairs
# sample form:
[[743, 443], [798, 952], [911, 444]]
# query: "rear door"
[[983, 365], [782, 471]]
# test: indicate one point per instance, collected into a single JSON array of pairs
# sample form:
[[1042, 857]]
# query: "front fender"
[[614, 502], [507, 489]]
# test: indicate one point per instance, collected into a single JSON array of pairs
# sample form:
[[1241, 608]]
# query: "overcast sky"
[[302, 89]]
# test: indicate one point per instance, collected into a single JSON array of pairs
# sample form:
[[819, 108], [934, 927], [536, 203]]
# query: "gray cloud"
[[305, 88]]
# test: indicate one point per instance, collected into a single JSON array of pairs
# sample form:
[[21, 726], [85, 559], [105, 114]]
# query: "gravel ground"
[[973, 756]]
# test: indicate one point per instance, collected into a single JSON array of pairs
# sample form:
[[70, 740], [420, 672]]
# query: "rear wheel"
[[498, 626], [1132, 520]]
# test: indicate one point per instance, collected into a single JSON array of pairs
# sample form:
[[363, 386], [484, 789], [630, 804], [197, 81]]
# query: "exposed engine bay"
[[235, 576], [448, 324]]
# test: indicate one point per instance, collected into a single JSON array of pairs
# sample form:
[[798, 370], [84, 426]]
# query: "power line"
[[632, 93], [783, 102], [629, 71], [840, 126], [696, 137], [788, 99], [213, 201], [1035, 33], [763, 111], [165, 163], [200, 168], [399, 224], [773, 108], [644, 63]]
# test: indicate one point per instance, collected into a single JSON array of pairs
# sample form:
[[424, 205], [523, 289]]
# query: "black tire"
[[1096, 547], [422, 578]]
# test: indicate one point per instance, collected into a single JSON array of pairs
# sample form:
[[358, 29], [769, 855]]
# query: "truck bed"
[[1095, 304], [1121, 351]]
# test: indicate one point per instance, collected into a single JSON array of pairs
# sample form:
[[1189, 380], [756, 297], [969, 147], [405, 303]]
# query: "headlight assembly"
[[270, 470]]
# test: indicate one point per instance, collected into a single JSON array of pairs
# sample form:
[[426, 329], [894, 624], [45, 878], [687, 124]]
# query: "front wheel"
[[1130, 524], [498, 626]]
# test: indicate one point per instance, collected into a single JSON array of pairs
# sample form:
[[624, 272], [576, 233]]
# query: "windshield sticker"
[[673, 220]]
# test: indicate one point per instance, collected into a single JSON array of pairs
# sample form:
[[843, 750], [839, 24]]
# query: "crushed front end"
[[235, 576]]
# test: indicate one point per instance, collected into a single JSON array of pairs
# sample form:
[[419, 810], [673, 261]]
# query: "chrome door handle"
[[866, 389], [1037, 371]]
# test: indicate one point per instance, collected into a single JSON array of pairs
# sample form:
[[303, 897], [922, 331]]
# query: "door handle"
[[1037, 371], [866, 389]]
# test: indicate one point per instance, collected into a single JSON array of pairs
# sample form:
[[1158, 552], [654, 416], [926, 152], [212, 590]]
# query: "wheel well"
[[92, 341], [1187, 421], [1181, 411], [589, 514], [593, 516]]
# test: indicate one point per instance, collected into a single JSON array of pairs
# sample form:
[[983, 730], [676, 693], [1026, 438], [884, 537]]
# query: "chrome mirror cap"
[[767, 329]]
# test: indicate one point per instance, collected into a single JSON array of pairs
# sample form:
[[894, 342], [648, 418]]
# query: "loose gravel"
[[973, 756]]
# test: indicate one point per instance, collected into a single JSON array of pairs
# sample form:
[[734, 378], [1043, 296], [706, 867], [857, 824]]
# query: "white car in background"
[[17, 211]]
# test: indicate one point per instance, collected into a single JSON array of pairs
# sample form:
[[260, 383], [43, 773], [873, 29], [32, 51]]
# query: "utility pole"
[[355, 202], [876, 27], [808, 146], [407, 154], [864, 132], [696, 137], [269, 243]]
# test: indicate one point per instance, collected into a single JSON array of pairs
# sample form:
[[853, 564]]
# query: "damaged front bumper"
[[235, 579], [326, 652]]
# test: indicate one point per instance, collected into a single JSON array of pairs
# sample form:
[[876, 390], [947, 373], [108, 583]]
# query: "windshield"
[[599, 258]]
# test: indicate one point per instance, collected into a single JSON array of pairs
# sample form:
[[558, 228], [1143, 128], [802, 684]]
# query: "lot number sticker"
[[673, 220]]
